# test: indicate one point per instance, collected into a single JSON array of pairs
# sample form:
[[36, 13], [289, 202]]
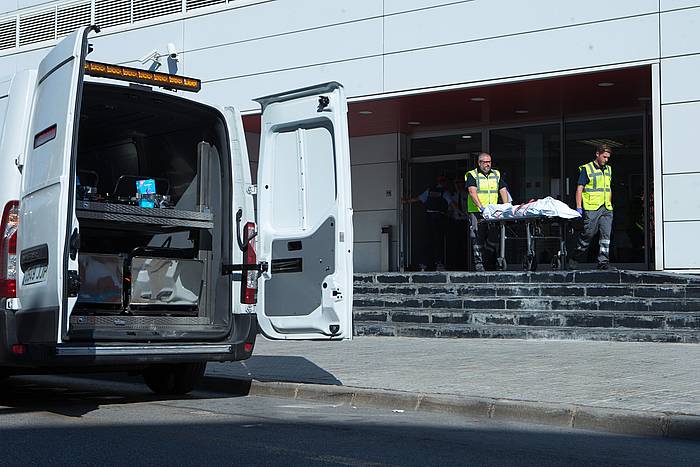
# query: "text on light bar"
[[135, 75]]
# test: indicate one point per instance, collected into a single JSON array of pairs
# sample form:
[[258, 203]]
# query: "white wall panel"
[[471, 21], [7, 65], [396, 6], [372, 149], [31, 59], [680, 32], [368, 224], [367, 259], [307, 48], [8, 5], [359, 77], [681, 200], [128, 46], [591, 45], [680, 138], [671, 4], [274, 18], [679, 79], [31, 3], [370, 182], [679, 240]]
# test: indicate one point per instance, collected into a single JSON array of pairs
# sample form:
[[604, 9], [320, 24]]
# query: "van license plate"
[[35, 275]]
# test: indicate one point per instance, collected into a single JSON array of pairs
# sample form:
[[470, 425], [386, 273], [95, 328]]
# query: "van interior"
[[153, 205]]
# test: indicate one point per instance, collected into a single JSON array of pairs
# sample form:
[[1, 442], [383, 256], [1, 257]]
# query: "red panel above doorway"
[[600, 93]]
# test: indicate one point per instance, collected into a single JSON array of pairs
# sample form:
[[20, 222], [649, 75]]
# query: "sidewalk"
[[642, 379]]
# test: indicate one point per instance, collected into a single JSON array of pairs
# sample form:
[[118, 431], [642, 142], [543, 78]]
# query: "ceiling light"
[[477, 99], [413, 122], [606, 84], [602, 141], [522, 111], [466, 136], [365, 112]]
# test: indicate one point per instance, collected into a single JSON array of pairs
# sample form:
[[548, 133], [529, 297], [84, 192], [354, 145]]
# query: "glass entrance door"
[[535, 163], [432, 156], [625, 136], [529, 158]]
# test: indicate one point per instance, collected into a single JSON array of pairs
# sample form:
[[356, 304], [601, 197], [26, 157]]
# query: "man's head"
[[484, 161], [602, 154]]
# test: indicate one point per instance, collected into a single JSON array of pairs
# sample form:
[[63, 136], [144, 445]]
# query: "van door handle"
[[74, 244]]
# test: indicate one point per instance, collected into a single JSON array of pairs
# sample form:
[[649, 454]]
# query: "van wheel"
[[174, 379]]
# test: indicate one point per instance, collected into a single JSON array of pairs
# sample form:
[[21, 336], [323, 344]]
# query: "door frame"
[[406, 239]]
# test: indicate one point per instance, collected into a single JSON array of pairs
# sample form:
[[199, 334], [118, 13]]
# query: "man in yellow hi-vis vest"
[[484, 186], [594, 202]]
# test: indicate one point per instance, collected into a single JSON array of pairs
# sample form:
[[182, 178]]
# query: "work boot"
[[572, 263], [604, 266], [479, 267]]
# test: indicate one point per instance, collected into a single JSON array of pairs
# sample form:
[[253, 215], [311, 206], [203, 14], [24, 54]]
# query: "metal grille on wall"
[[54, 22]]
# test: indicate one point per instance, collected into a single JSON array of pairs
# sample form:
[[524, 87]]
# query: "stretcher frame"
[[533, 231]]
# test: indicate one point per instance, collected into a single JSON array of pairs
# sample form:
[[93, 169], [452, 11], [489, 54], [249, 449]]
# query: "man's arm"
[[475, 197], [579, 197], [504, 194], [423, 197]]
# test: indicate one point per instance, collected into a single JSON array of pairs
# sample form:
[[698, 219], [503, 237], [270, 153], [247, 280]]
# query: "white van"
[[97, 272]]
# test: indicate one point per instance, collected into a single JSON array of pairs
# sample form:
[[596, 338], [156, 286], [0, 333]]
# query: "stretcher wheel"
[[501, 264], [530, 263]]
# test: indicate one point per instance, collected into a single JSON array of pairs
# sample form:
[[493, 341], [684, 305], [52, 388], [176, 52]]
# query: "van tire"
[[173, 379]]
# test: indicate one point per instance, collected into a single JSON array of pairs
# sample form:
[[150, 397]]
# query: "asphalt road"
[[77, 421]]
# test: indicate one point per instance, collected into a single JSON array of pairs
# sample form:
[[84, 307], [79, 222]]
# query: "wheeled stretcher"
[[533, 227]]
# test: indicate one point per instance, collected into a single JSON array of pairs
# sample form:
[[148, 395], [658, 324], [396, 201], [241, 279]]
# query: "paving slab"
[[635, 376]]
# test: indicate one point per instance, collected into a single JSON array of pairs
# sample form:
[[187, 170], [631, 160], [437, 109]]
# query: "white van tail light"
[[8, 250], [249, 279]]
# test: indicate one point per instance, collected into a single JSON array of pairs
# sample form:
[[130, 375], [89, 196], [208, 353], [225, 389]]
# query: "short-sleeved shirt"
[[471, 181], [423, 197], [583, 175]]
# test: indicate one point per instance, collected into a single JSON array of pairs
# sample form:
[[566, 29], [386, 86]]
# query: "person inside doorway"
[[437, 200], [484, 185], [459, 227], [594, 203]]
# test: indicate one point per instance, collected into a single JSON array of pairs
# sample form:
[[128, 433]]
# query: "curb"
[[621, 421]]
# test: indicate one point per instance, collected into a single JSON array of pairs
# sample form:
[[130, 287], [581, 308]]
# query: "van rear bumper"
[[43, 358]]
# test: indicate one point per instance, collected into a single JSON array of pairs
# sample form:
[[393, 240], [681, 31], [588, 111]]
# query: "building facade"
[[430, 84]]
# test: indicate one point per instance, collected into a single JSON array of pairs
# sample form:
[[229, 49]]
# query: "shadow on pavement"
[[77, 395], [288, 369]]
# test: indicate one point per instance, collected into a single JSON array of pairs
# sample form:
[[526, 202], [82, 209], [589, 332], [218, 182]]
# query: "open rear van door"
[[305, 215], [48, 237]]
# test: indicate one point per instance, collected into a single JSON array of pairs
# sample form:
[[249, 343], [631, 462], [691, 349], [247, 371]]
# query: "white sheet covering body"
[[548, 207]]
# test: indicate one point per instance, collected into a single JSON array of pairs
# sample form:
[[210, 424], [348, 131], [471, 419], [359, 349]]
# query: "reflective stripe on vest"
[[597, 192], [486, 188]]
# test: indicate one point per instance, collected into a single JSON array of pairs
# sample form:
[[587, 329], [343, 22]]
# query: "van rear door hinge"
[[252, 189]]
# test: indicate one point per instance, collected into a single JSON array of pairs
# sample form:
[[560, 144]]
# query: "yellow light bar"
[[135, 75]]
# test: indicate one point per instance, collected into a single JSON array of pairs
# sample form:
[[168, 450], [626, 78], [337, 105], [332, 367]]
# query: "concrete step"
[[548, 303], [526, 332], [549, 277], [600, 305], [531, 290], [535, 318]]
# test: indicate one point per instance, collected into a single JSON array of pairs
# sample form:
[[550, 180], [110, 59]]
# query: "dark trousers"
[[598, 221], [484, 238], [435, 239]]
